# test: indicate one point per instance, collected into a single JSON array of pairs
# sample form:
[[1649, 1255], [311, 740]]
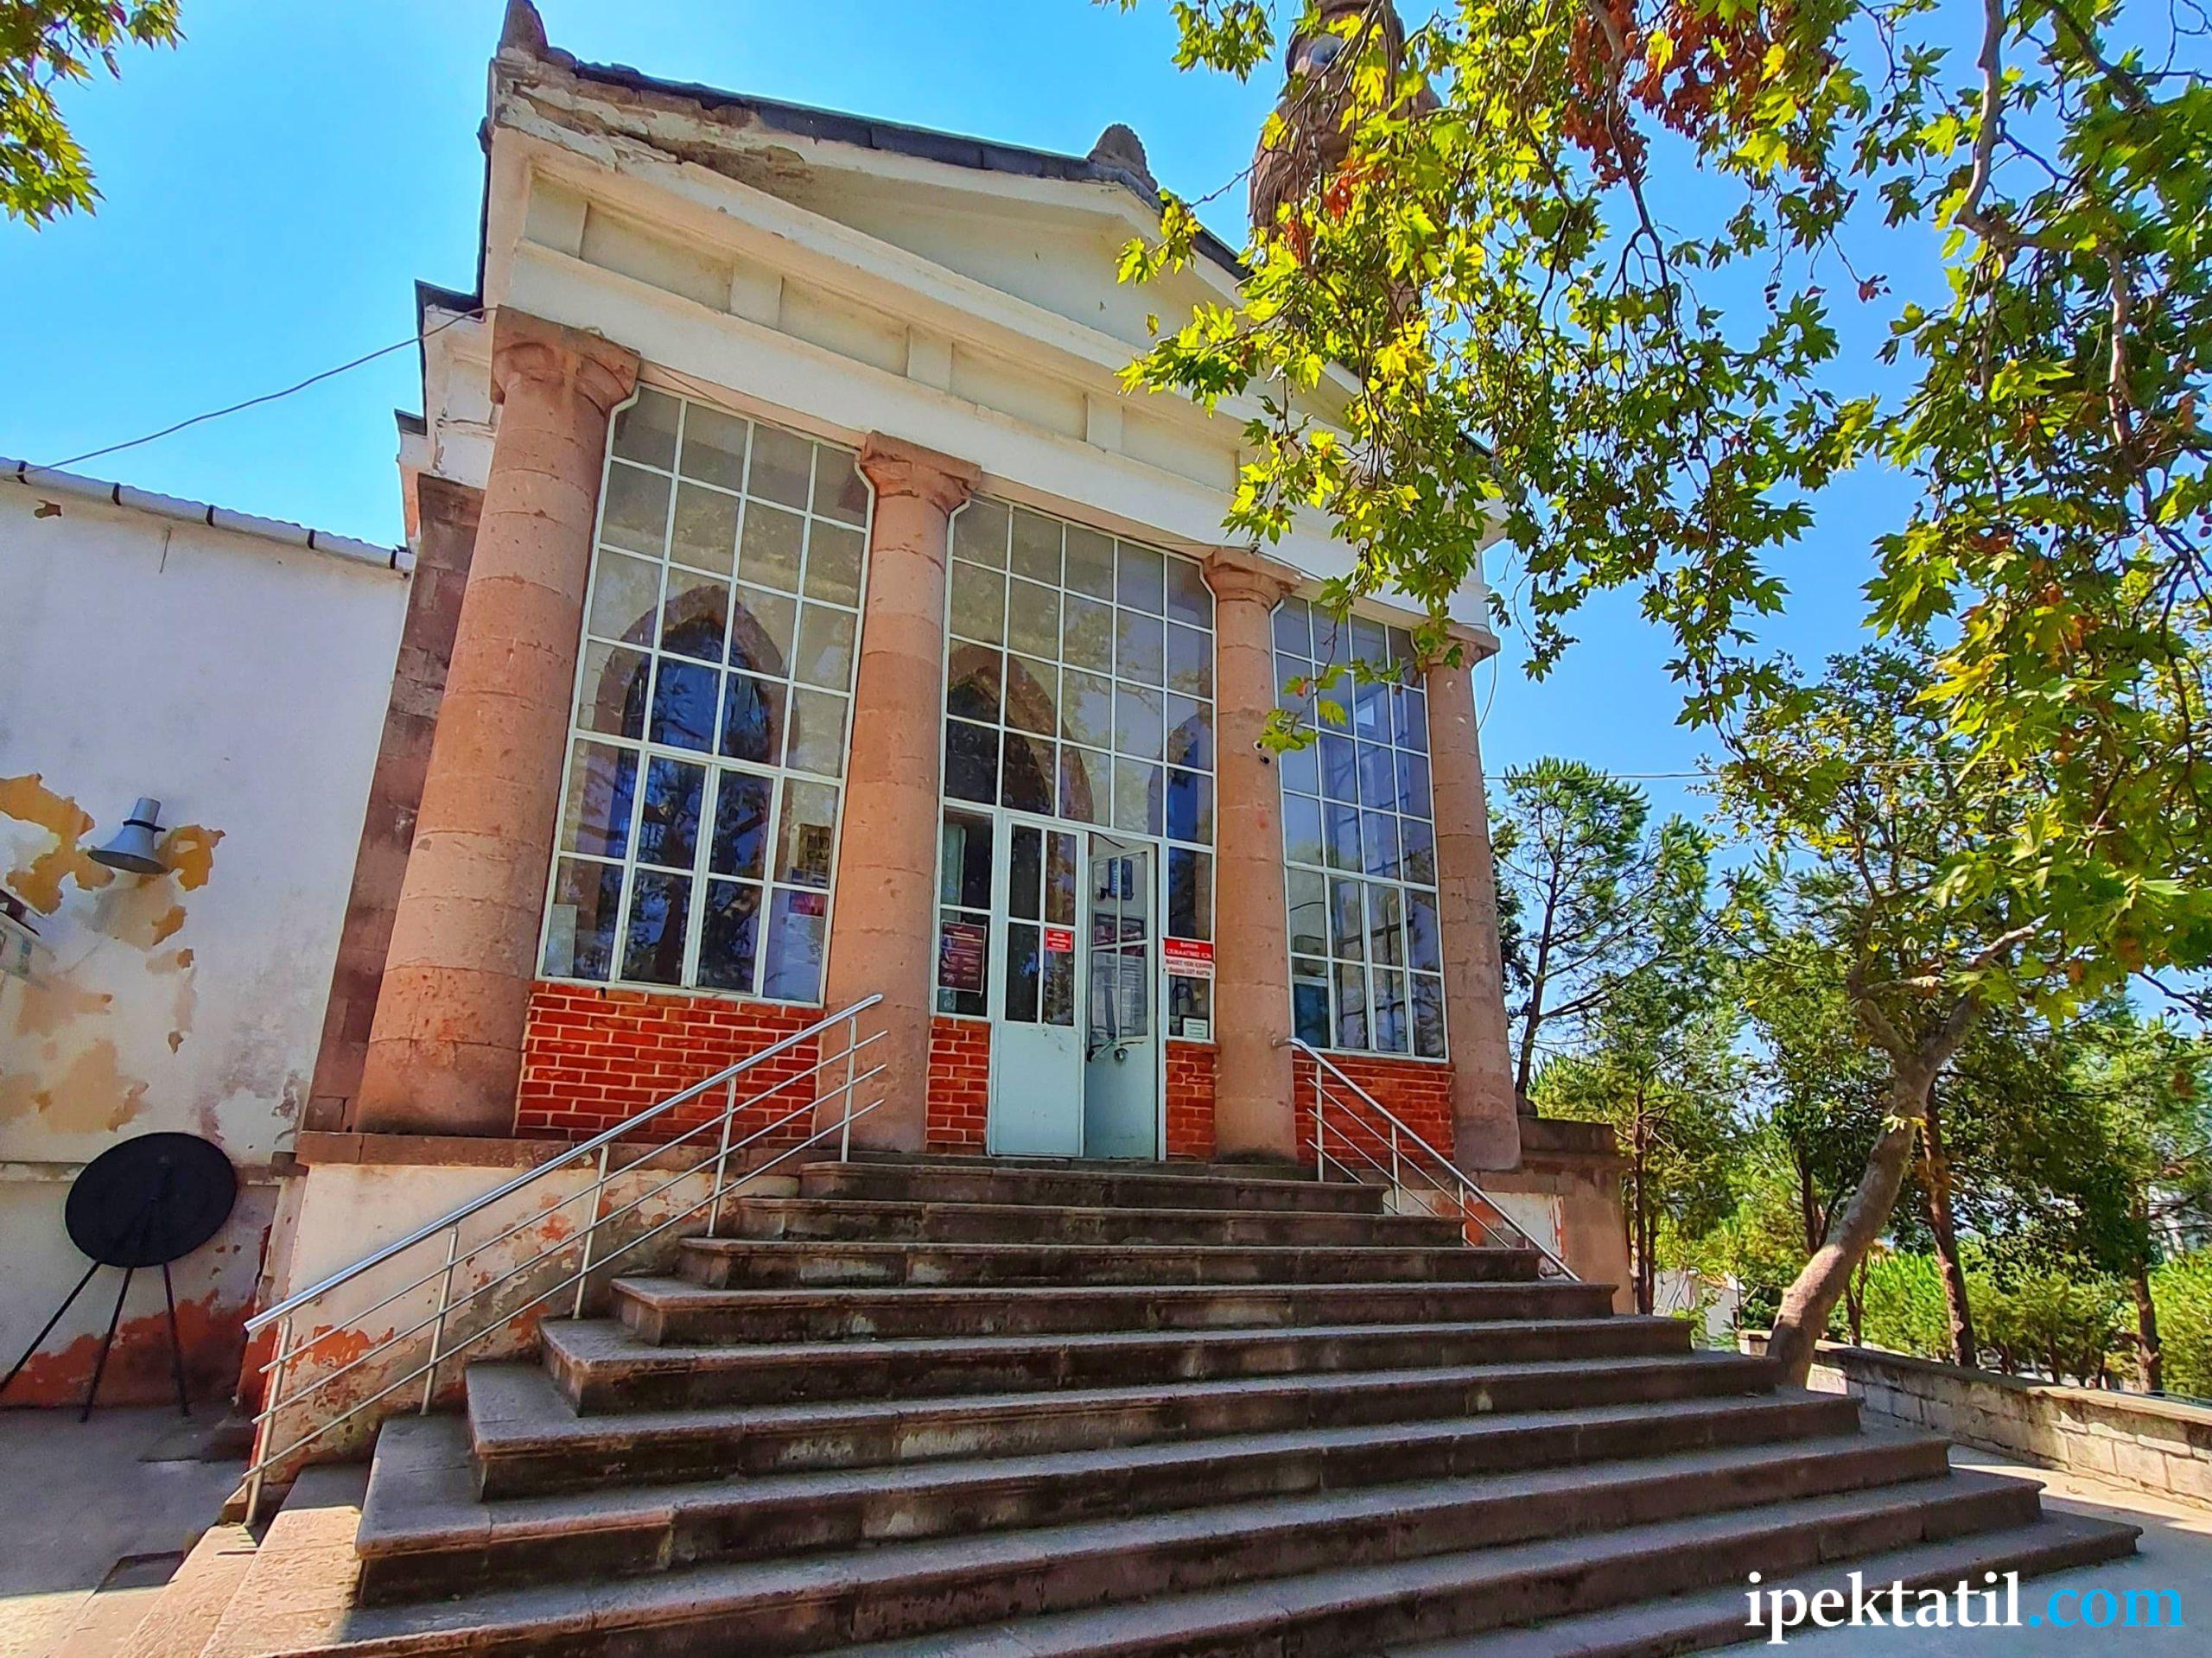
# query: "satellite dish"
[[145, 1202]]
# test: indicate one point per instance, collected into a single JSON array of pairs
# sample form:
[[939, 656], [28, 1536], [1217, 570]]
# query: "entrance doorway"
[[1076, 1056]]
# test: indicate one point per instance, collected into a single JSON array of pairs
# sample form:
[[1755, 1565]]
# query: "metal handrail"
[[1325, 1069], [447, 1227]]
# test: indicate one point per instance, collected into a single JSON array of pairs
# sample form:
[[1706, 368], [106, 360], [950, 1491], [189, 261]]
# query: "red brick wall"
[[1190, 1100], [592, 1057], [1418, 1094], [960, 1083]]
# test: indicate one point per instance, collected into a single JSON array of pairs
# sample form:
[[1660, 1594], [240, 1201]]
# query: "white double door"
[[1075, 1057]]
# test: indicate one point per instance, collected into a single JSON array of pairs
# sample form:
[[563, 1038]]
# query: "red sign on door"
[[1060, 941], [1187, 958]]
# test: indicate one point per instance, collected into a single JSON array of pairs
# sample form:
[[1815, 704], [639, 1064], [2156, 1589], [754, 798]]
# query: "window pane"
[[1087, 634], [706, 529], [809, 834], [760, 629], [742, 803], [1032, 620], [964, 942], [1189, 1007], [1409, 711], [646, 429], [660, 914], [769, 552], [1137, 718], [1087, 709], [833, 563], [1309, 1011], [635, 513], [1190, 732], [1137, 580], [1351, 1006], [1419, 855], [1331, 639], [840, 491], [602, 785], [1380, 832], [964, 863], [1308, 896], [1036, 546], [1347, 921], [714, 447], [684, 696], [1026, 784], [1137, 646], [1294, 628], [612, 694], [668, 829], [729, 935], [1059, 988], [1301, 769], [1342, 823], [1090, 562], [798, 924], [753, 719], [817, 742], [1428, 1016], [1137, 805], [978, 603], [1190, 807], [1370, 642], [1385, 925], [1301, 830], [695, 615], [1413, 785], [1025, 872], [972, 677], [825, 646], [782, 465], [624, 598], [1189, 599], [1085, 783], [1033, 696], [1424, 939], [1339, 767], [1189, 893], [1190, 661], [1378, 781], [1059, 879], [979, 532], [1024, 971], [1391, 1031], [580, 927], [971, 762], [1370, 710]]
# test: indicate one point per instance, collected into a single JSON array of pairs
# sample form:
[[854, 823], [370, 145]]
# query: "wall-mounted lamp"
[[133, 846]]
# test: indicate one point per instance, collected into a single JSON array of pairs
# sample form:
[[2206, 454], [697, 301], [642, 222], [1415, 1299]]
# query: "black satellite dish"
[[144, 1202]]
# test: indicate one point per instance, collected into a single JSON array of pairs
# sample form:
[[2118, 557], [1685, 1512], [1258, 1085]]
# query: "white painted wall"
[[242, 683]]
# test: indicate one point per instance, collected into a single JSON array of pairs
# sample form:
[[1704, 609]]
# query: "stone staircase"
[[959, 1405]]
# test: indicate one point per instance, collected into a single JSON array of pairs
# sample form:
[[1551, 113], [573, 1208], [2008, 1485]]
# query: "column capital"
[[1241, 573], [529, 348], [1480, 643], [896, 466]]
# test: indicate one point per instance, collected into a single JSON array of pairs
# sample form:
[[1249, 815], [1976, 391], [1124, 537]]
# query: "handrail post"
[[591, 1228], [852, 1050], [438, 1330], [721, 1159], [269, 1405]]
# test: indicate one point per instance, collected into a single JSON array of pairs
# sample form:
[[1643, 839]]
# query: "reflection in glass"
[[729, 935], [742, 804], [660, 917], [753, 719], [579, 931], [684, 696], [667, 828], [797, 928], [602, 783]]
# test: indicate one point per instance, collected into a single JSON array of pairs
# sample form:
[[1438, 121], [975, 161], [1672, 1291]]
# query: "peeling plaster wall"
[[243, 683]]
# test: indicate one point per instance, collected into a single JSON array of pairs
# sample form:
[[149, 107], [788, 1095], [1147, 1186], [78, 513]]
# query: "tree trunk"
[[2151, 1355], [1854, 1305], [1638, 1204], [1808, 1304], [1525, 1069], [1935, 1178]]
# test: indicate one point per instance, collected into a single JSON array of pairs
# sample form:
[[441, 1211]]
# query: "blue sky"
[[272, 189]]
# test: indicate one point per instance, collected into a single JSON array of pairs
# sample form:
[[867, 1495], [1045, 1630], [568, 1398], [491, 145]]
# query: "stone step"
[[1371, 1567], [298, 1590], [677, 1311], [1180, 1166], [1358, 1610], [828, 1219], [1093, 1186], [425, 1532], [527, 1437], [752, 1263], [1717, 1617], [602, 1367]]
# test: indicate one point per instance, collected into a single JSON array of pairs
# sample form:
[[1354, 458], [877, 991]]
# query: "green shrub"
[[2182, 1289], [2056, 1324], [1904, 1306]]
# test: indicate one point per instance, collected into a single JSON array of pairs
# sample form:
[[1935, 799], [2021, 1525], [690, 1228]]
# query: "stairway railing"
[[596, 1243], [1422, 1180]]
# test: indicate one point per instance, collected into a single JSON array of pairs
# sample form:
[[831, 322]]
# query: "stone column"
[[445, 1050], [1485, 1124], [883, 930], [1255, 1114]]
